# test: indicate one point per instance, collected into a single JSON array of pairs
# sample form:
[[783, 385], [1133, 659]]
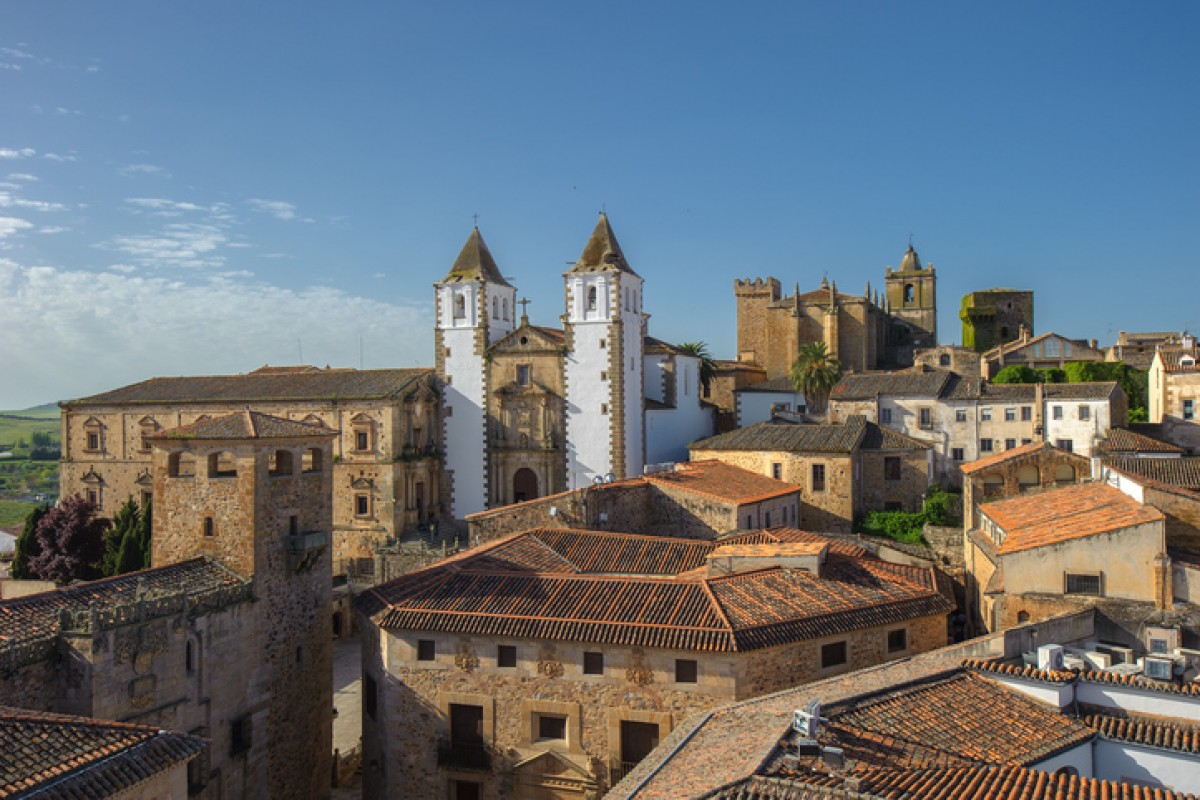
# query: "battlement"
[[756, 287]]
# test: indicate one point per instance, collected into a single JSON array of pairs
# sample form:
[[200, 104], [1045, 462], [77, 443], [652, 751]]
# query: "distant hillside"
[[45, 411]]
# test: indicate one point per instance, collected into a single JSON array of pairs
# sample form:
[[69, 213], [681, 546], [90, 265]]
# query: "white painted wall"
[[464, 424], [1127, 485], [1083, 433], [1079, 757], [1144, 701], [1126, 761], [669, 431], [588, 426], [504, 300], [755, 407], [628, 299], [1058, 695]]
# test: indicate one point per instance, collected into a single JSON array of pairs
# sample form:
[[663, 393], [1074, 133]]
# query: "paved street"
[[347, 699]]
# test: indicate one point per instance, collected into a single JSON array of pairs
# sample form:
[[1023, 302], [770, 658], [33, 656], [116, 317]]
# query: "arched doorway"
[[525, 485]]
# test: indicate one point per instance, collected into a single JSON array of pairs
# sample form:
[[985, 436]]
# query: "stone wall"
[[907, 490], [1182, 513]]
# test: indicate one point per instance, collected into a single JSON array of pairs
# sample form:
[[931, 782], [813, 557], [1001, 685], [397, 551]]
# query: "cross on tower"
[[476, 218], [522, 303]]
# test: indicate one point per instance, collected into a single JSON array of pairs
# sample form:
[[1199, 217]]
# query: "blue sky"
[[197, 188]]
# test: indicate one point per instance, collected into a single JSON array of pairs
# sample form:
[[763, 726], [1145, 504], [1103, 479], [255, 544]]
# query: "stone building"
[[729, 377], [58, 755], [843, 470], [760, 402], [995, 316], [1137, 349], [866, 332], [1035, 556], [695, 499], [1173, 393], [546, 664], [1048, 351], [386, 466], [532, 410], [1027, 468], [227, 636], [961, 360]]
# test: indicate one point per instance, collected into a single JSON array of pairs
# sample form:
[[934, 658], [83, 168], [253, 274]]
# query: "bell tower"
[[476, 306], [912, 298]]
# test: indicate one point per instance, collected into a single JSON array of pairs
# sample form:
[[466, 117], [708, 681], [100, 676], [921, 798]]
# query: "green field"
[[13, 512], [20, 478], [17, 426]]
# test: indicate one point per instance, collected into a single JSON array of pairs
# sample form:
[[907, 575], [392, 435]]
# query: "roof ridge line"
[[720, 611]]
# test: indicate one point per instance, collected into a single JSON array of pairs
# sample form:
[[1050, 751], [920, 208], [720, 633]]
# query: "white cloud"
[[6, 65], [22, 176], [100, 330], [184, 244], [276, 208], [144, 169], [66, 112], [60, 157], [276, 255], [379, 275], [13, 52], [53, 229], [92, 68], [11, 226], [162, 207], [24, 152], [8, 201]]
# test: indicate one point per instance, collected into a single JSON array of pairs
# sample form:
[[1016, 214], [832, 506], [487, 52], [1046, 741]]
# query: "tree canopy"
[[814, 374], [27, 546], [127, 542], [71, 541], [708, 367]]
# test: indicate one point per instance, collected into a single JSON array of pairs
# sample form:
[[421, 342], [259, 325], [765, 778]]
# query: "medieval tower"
[[476, 306], [254, 493], [912, 299], [605, 331]]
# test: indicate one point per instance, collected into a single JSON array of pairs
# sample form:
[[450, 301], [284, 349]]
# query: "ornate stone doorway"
[[525, 485]]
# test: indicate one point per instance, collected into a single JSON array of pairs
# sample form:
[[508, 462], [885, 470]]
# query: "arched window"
[[181, 465], [1064, 473], [910, 293], [281, 463], [591, 298], [222, 465], [313, 460], [460, 306], [1028, 476], [504, 308], [495, 308]]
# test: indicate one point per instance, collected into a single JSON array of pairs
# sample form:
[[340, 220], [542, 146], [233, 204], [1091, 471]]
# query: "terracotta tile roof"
[[475, 263], [1173, 359], [246, 425], [1092, 676], [780, 534], [1153, 732], [37, 616], [1183, 472], [1060, 515], [790, 437], [257, 387], [1005, 455], [59, 756], [1020, 671], [626, 589], [1138, 682], [722, 481], [1121, 440], [869, 385]]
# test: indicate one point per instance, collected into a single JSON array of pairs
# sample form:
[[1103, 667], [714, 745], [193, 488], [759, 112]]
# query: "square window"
[[985, 445], [593, 663], [362, 505], [1085, 412], [960, 415], [1056, 412], [506, 655], [685, 670], [426, 650], [833, 654], [1010, 414], [957, 453], [551, 727], [891, 468], [1009, 444], [885, 415], [985, 414], [1026, 413], [818, 477], [897, 640], [1189, 409]]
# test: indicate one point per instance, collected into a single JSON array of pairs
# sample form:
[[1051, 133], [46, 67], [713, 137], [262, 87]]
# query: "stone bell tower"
[[912, 298]]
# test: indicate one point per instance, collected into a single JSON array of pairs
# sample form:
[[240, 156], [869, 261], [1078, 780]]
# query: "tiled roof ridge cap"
[[1099, 676], [608, 623], [719, 610], [32, 599], [623, 577], [618, 534], [1114, 727], [15, 714], [1014, 671], [1117, 463]]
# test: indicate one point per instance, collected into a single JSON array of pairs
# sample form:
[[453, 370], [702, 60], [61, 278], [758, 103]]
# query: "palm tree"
[[814, 373], [708, 367]]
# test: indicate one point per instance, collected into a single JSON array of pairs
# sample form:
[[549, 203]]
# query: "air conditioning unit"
[[1160, 669], [1071, 661], [1050, 657], [1118, 654], [1098, 660], [1161, 641]]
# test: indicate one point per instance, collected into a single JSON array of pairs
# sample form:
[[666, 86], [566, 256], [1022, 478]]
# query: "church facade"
[[530, 410], [873, 331]]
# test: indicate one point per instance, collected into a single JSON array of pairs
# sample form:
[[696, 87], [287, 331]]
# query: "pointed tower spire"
[[475, 262], [602, 252], [911, 261]]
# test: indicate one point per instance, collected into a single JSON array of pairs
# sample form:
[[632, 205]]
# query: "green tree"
[[708, 367], [1018, 373], [145, 525], [71, 541], [124, 535], [1053, 375], [27, 544], [814, 374]]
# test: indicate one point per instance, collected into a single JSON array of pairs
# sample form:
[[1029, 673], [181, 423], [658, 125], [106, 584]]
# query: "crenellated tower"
[[476, 306], [605, 330]]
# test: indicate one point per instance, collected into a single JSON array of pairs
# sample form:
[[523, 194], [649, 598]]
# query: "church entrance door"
[[525, 485]]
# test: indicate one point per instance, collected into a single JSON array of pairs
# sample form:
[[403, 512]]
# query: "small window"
[[956, 453], [1026, 413], [885, 415], [909, 292], [551, 726], [1159, 646], [891, 468], [189, 658], [985, 414], [522, 374], [985, 445], [460, 307], [777, 471], [960, 415], [239, 735], [818, 477], [944, 360], [603, 343], [603, 374], [1026, 441], [897, 640], [833, 654], [1189, 409], [1085, 412], [604, 408], [1009, 444], [1010, 414], [506, 656], [1056, 412], [767, 520], [362, 440], [93, 497], [685, 670], [426, 650], [210, 527], [591, 298], [93, 441], [370, 695], [299, 654], [1083, 584], [362, 505], [593, 663], [926, 418], [1065, 444]]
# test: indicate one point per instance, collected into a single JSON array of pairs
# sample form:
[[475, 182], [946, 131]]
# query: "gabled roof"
[[722, 481], [782, 535], [1061, 515], [614, 588], [910, 383], [475, 263], [602, 253], [259, 387], [1181, 472], [1121, 440], [59, 756], [1150, 731], [1020, 452], [790, 437], [1097, 390], [552, 337], [245, 425], [1020, 344]]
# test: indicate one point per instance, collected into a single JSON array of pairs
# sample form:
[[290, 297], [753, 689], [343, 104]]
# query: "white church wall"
[[589, 421], [755, 407], [669, 431], [633, 335], [464, 421]]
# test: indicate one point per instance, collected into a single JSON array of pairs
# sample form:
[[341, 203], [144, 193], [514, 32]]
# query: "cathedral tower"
[[912, 299], [476, 306], [605, 330]]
